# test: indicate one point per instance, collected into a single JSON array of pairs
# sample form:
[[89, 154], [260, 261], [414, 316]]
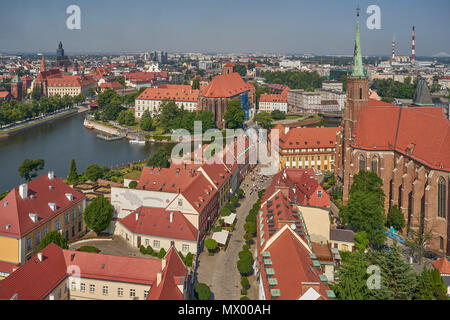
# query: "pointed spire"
[[358, 70]]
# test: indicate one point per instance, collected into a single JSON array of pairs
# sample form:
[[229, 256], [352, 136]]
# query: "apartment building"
[[70, 85], [152, 98], [59, 274], [33, 209], [271, 102], [307, 147]]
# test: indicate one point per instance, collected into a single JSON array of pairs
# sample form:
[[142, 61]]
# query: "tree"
[[98, 214], [250, 227], [211, 244], [248, 237], [430, 286], [73, 175], [146, 123], [234, 200], [395, 218], [121, 80], [234, 115], [244, 282], [240, 193], [29, 168], [244, 266], [245, 255], [126, 117], [53, 237], [93, 172], [361, 240], [241, 69], [188, 259], [196, 84], [161, 253], [225, 212], [132, 184], [36, 93], [159, 159], [79, 98], [264, 119], [202, 291], [278, 115]]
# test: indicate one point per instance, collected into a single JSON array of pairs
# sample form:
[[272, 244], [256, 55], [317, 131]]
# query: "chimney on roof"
[[158, 278], [171, 217], [23, 191], [40, 256], [51, 175]]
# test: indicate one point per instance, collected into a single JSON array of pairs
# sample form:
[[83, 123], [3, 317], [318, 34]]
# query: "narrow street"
[[220, 272]]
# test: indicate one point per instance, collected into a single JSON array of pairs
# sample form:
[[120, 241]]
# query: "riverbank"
[[35, 123]]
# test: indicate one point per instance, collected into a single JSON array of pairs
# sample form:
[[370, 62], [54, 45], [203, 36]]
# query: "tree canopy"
[[29, 168], [73, 175], [294, 79], [234, 115], [98, 214], [264, 119], [159, 159], [53, 237]]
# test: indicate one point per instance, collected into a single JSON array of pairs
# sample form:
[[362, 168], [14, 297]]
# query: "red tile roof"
[[4, 94], [156, 221], [443, 265], [293, 268], [408, 131], [225, 86], [174, 179], [14, 211], [112, 85], [69, 81], [307, 138], [36, 279], [272, 98], [177, 93]]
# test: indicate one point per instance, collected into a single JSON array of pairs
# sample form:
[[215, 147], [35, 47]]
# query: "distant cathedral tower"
[[61, 59], [43, 67]]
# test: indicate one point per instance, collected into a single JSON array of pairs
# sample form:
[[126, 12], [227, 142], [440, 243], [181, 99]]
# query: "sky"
[[241, 26]]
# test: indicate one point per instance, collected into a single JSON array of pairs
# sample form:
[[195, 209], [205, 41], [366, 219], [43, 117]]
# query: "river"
[[60, 141]]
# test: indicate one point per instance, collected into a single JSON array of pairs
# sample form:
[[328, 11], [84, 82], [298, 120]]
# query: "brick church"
[[408, 147]]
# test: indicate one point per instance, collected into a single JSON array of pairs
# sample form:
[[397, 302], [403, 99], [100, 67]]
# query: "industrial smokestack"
[[413, 51], [393, 49]]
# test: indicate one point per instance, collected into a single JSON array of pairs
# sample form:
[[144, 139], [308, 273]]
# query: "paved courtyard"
[[219, 272], [116, 246]]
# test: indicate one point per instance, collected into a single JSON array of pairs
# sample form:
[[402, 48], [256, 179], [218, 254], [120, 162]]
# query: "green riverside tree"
[[159, 159], [29, 168], [73, 175]]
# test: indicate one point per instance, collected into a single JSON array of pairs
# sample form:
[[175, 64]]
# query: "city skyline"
[[291, 27]]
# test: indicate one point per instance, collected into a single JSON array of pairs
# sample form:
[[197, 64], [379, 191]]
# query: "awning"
[[230, 219], [221, 237]]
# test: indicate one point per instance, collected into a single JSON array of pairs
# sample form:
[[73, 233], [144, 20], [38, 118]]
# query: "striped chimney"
[[393, 48], [413, 52]]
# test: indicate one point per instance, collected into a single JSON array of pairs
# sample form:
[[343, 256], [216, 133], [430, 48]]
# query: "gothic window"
[[360, 92], [362, 163], [375, 164], [441, 197]]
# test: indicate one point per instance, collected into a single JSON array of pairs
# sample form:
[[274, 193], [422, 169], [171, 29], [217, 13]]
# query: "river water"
[[60, 141]]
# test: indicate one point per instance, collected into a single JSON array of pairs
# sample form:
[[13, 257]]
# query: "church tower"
[[357, 98], [43, 67]]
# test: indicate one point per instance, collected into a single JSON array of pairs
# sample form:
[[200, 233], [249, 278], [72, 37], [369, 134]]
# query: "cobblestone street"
[[219, 272]]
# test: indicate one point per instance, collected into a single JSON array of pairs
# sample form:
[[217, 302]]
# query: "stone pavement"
[[220, 272]]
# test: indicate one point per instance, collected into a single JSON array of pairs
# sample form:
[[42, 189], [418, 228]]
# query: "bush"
[[246, 247], [202, 291], [211, 244], [154, 253], [245, 255], [245, 283], [217, 229], [244, 298], [221, 221], [161, 253], [244, 267], [89, 249], [234, 200], [243, 292], [149, 250], [132, 184], [142, 249], [188, 259]]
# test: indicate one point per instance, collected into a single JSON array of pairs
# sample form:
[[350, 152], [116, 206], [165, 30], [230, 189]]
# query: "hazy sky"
[[282, 26]]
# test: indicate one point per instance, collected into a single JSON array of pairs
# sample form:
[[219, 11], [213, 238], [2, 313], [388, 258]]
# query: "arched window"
[[362, 163], [375, 164], [360, 92], [441, 197]]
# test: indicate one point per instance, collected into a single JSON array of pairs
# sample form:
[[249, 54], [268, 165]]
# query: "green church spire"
[[358, 70]]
